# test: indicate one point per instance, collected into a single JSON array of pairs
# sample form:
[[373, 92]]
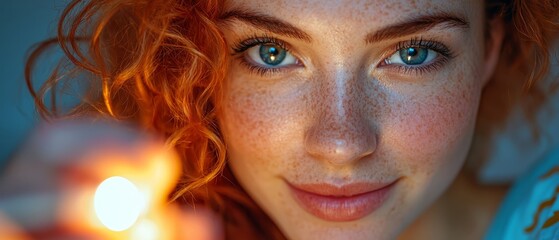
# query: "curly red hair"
[[162, 63]]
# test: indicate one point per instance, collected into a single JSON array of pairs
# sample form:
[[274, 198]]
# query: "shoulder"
[[531, 208]]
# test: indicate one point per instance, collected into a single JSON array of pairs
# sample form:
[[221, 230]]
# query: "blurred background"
[[23, 23]]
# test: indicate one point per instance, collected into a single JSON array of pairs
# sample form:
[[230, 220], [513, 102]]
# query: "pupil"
[[412, 52], [272, 54]]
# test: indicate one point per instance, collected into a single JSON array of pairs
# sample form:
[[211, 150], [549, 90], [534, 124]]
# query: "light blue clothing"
[[521, 205]]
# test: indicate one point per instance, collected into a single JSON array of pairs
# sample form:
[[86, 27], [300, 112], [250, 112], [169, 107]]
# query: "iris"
[[272, 54], [414, 55]]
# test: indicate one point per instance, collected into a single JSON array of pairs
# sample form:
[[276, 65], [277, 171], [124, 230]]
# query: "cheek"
[[435, 126], [259, 124]]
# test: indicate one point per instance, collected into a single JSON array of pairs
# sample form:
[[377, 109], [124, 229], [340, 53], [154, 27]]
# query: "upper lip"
[[346, 190]]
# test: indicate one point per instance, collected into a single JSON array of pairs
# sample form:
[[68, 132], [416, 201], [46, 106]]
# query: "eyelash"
[[445, 55]]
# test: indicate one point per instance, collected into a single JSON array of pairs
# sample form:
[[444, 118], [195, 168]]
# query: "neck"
[[464, 211]]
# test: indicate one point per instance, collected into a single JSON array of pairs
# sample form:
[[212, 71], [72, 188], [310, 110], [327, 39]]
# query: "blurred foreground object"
[[94, 180]]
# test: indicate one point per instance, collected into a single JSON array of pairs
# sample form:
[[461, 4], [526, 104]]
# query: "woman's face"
[[346, 119]]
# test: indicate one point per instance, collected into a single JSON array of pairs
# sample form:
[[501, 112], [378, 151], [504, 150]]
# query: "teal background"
[[22, 24]]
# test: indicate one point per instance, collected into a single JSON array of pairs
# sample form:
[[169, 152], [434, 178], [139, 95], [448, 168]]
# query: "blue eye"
[[411, 56], [270, 55]]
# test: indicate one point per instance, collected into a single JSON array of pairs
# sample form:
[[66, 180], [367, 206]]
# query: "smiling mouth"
[[340, 204]]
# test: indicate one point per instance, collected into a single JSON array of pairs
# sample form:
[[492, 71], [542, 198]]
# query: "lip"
[[341, 203]]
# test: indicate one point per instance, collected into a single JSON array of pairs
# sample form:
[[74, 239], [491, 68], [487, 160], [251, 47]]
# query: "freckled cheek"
[[259, 125], [436, 127]]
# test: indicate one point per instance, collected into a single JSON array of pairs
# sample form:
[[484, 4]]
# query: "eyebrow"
[[408, 27], [266, 22], [416, 25]]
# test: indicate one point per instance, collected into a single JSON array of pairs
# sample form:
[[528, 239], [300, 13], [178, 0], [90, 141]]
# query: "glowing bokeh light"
[[145, 230], [118, 203]]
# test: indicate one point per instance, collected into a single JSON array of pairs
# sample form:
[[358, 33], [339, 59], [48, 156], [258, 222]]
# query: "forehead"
[[366, 12]]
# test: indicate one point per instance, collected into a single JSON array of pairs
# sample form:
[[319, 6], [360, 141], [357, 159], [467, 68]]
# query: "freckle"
[[413, 169], [367, 5], [439, 100]]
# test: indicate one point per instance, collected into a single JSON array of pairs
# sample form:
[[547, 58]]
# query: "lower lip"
[[341, 209]]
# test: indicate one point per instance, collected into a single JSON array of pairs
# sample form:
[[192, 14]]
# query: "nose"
[[341, 132]]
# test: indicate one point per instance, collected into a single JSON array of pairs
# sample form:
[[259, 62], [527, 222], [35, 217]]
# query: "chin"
[[363, 229]]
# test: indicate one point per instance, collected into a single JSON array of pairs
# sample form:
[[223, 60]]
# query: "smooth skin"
[[342, 107]]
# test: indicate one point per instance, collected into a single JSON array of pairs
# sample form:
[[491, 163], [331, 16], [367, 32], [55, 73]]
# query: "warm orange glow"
[[118, 203], [127, 197], [10, 230], [146, 230]]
